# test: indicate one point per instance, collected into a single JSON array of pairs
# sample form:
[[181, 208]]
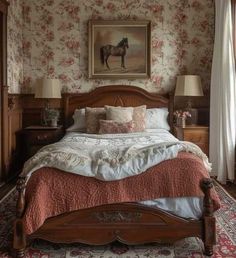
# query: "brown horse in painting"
[[119, 50]]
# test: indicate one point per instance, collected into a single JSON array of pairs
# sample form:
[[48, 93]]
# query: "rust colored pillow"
[[92, 117], [139, 118], [110, 127]]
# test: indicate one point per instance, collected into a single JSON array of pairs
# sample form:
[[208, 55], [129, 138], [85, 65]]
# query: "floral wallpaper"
[[55, 41], [14, 47]]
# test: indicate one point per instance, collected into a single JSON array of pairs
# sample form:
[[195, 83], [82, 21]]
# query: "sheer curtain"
[[223, 95]]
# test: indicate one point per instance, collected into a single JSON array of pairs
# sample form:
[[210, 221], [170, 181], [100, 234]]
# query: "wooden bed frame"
[[129, 223]]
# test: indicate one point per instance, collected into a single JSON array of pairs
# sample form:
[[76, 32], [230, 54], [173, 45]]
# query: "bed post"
[[19, 238], [171, 111], [209, 232]]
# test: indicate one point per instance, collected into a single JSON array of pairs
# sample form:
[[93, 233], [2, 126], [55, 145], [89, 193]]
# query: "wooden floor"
[[4, 190]]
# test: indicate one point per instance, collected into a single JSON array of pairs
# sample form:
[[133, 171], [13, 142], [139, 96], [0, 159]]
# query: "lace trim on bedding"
[[71, 160]]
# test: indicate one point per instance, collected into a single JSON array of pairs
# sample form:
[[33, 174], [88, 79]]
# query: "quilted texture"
[[172, 178]]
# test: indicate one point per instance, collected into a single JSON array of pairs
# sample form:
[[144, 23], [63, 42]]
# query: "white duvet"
[[110, 157]]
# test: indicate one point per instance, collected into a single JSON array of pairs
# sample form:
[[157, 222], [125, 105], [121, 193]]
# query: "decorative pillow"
[[92, 117], [79, 121], [119, 114], [157, 118], [139, 120], [110, 126]]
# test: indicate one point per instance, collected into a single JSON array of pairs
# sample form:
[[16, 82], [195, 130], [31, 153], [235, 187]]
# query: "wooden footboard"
[[129, 223]]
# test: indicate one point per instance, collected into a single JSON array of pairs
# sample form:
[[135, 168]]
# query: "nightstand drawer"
[[33, 149], [33, 138], [43, 137], [196, 136]]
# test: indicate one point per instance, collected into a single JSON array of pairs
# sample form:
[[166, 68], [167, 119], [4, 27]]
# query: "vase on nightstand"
[[54, 122], [181, 122]]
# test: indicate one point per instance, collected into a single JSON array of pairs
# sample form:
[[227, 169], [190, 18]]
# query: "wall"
[[15, 50], [55, 40]]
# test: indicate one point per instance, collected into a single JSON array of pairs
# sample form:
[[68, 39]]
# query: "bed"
[[129, 223]]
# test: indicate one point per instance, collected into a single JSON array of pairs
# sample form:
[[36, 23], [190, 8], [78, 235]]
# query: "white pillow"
[[119, 114], [157, 118], [79, 121]]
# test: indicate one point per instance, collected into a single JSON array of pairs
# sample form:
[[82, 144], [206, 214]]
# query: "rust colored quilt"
[[51, 192]]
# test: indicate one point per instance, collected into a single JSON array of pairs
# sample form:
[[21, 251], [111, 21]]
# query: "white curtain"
[[223, 96]]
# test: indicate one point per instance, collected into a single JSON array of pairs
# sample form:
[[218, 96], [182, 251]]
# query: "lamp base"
[[193, 120], [44, 117], [53, 122]]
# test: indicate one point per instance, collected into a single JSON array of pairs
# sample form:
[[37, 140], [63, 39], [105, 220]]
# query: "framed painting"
[[119, 49]]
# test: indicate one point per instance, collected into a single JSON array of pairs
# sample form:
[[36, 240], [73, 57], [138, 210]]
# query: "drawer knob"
[[42, 137], [196, 139]]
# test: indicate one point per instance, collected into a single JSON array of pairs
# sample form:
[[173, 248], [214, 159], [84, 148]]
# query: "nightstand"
[[196, 134], [35, 137]]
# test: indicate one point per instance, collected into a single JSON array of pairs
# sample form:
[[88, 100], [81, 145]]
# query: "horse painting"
[[119, 50]]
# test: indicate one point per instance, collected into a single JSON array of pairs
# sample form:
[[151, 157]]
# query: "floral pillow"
[[111, 127], [139, 118], [92, 117]]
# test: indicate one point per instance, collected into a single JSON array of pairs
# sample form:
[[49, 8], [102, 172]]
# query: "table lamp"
[[48, 89], [191, 86]]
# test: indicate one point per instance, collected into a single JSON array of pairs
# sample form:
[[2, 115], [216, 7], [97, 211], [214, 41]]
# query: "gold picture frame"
[[119, 49]]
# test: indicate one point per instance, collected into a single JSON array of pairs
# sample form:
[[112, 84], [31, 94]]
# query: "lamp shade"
[[188, 85], [48, 89]]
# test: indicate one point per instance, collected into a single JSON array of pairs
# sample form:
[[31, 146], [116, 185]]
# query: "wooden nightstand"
[[35, 137], [196, 134]]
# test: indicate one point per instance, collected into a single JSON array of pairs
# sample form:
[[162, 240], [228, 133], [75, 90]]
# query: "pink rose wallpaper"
[[15, 48], [49, 38]]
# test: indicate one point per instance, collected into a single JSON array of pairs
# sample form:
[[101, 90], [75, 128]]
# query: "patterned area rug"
[[189, 247]]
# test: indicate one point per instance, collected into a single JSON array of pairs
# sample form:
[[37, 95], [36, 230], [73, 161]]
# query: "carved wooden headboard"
[[114, 95]]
